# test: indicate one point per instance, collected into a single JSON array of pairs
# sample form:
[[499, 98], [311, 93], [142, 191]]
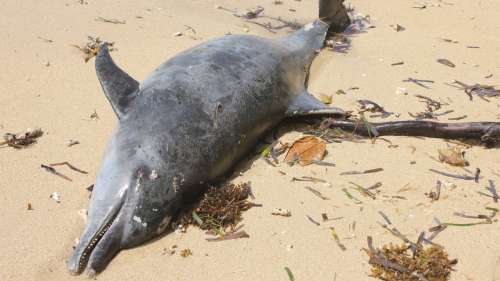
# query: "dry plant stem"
[[486, 132]]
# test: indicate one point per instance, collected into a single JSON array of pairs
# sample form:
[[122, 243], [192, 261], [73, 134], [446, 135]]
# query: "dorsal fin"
[[118, 86]]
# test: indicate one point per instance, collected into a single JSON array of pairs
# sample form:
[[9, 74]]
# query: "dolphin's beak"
[[99, 243]]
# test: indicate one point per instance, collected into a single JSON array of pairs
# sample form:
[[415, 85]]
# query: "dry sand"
[[60, 97]]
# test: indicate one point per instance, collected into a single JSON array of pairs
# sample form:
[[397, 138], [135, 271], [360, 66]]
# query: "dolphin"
[[188, 123]]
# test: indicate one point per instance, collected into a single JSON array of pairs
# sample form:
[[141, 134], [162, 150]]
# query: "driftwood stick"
[[486, 132]]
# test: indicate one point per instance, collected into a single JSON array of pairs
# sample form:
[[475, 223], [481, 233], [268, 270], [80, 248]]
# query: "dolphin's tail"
[[334, 13]]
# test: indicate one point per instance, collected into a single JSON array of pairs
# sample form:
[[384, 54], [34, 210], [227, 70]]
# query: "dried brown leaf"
[[453, 156], [306, 150]]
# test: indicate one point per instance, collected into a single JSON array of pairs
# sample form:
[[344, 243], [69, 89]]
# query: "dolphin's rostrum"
[[188, 123]]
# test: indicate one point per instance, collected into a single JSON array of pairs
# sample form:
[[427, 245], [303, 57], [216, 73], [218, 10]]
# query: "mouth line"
[[85, 256]]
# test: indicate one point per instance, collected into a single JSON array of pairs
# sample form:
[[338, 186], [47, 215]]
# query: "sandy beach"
[[45, 83]]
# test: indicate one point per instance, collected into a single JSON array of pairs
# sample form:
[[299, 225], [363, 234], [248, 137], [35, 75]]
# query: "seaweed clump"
[[410, 263], [220, 208]]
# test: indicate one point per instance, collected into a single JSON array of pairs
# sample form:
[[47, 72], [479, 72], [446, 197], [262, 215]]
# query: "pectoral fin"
[[307, 105]]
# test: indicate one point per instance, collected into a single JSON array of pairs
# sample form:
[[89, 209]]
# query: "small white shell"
[[56, 196]]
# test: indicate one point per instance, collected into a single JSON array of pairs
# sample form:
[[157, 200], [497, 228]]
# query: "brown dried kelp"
[[373, 107], [22, 140], [220, 208], [480, 90], [91, 48], [392, 262]]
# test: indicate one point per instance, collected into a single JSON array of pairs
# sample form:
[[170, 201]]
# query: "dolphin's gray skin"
[[188, 123]]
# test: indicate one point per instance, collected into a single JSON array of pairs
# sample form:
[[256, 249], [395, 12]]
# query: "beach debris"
[[192, 32], [397, 27], [458, 118], [359, 23], [364, 191], [306, 150], [22, 140], [340, 92], [488, 133], [186, 253], [316, 192], [55, 196], [177, 34], [419, 82], [249, 14], [428, 115], [397, 263], [231, 235], [324, 217], [271, 153], [45, 39], [312, 220], [385, 217], [462, 177], [397, 63], [370, 171], [446, 62], [54, 172], [94, 115], [309, 179], [420, 6], [401, 91], [350, 196], [277, 2], [113, 21], [332, 135], [477, 175], [69, 166], [482, 91], [453, 156], [338, 43], [289, 274], [281, 212], [373, 107], [434, 195], [220, 208], [73, 142], [492, 189], [324, 98], [336, 238], [431, 104], [169, 251], [91, 48], [486, 219], [447, 40], [371, 130], [374, 186], [29, 207]]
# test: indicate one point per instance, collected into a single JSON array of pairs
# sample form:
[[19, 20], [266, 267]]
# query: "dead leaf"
[[453, 156], [306, 150], [326, 99]]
